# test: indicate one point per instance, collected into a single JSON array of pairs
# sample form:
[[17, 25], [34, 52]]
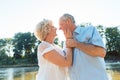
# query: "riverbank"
[[36, 65], [21, 65]]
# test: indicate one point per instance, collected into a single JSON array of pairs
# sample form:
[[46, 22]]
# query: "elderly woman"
[[52, 60]]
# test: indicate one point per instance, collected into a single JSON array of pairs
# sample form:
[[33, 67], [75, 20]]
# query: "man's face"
[[62, 25]]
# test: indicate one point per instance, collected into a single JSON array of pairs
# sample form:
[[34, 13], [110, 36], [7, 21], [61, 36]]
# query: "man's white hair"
[[68, 16]]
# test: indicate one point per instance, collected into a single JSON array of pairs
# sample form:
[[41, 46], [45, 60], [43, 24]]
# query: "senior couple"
[[82, 58]]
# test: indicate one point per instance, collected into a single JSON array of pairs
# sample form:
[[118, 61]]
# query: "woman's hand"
[[68, 34]]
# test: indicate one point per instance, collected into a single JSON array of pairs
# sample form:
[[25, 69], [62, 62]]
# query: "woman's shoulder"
[[43, 45]]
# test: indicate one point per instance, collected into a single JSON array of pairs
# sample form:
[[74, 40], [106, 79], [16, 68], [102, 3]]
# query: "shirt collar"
[[77, 30]]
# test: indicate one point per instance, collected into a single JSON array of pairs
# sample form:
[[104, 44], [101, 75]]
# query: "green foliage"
[[113, 43], [31, 58], [2, 43], [24, 46], [4, 59], [101, 30], [24, 43], [113, 39], [56, 41], [85, 24]]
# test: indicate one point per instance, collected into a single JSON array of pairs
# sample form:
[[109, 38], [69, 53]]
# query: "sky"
[[23, 15]]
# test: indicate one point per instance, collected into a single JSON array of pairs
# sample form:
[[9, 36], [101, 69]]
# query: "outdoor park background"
[[18, 19]]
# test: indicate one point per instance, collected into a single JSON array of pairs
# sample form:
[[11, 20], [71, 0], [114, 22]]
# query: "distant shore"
[[36, 65], [21, 65]]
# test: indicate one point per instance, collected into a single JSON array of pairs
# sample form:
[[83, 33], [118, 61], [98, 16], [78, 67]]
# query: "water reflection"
[[113, 70], [113, 66], [17, 73], [29, 73]]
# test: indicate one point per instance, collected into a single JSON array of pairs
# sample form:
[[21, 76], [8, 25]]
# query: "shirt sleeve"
[[44, 48], [96, 38]]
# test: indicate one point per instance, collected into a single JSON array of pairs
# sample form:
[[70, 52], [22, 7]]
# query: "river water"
[[29, 73]]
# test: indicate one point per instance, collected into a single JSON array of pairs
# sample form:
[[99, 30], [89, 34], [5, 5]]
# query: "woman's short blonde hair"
[[42, 29]]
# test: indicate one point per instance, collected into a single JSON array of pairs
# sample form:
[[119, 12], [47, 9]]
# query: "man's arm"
[[87, 48]]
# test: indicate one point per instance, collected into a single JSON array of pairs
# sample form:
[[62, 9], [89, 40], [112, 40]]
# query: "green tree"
[[18, 45], [24, 43], [113, 43], [56, 41], [85, 24], [6, 45], [113, 39], [9, 46], [101, 30], [2, 44]]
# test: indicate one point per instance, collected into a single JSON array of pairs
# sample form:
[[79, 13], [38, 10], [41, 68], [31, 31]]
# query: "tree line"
[[19, 50], [22, 48]]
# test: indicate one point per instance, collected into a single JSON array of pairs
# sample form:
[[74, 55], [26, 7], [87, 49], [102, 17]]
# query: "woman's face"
[[52, 32]]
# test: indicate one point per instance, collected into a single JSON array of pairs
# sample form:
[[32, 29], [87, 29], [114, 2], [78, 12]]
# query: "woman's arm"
[[54, 57]]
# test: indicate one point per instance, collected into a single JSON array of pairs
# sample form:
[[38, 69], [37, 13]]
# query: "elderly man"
[[88, 49]]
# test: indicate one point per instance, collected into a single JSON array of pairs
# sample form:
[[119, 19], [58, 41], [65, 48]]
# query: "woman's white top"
[[48, 70]]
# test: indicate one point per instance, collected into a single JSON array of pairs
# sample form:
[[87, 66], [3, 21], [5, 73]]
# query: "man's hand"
[[89, 49]]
